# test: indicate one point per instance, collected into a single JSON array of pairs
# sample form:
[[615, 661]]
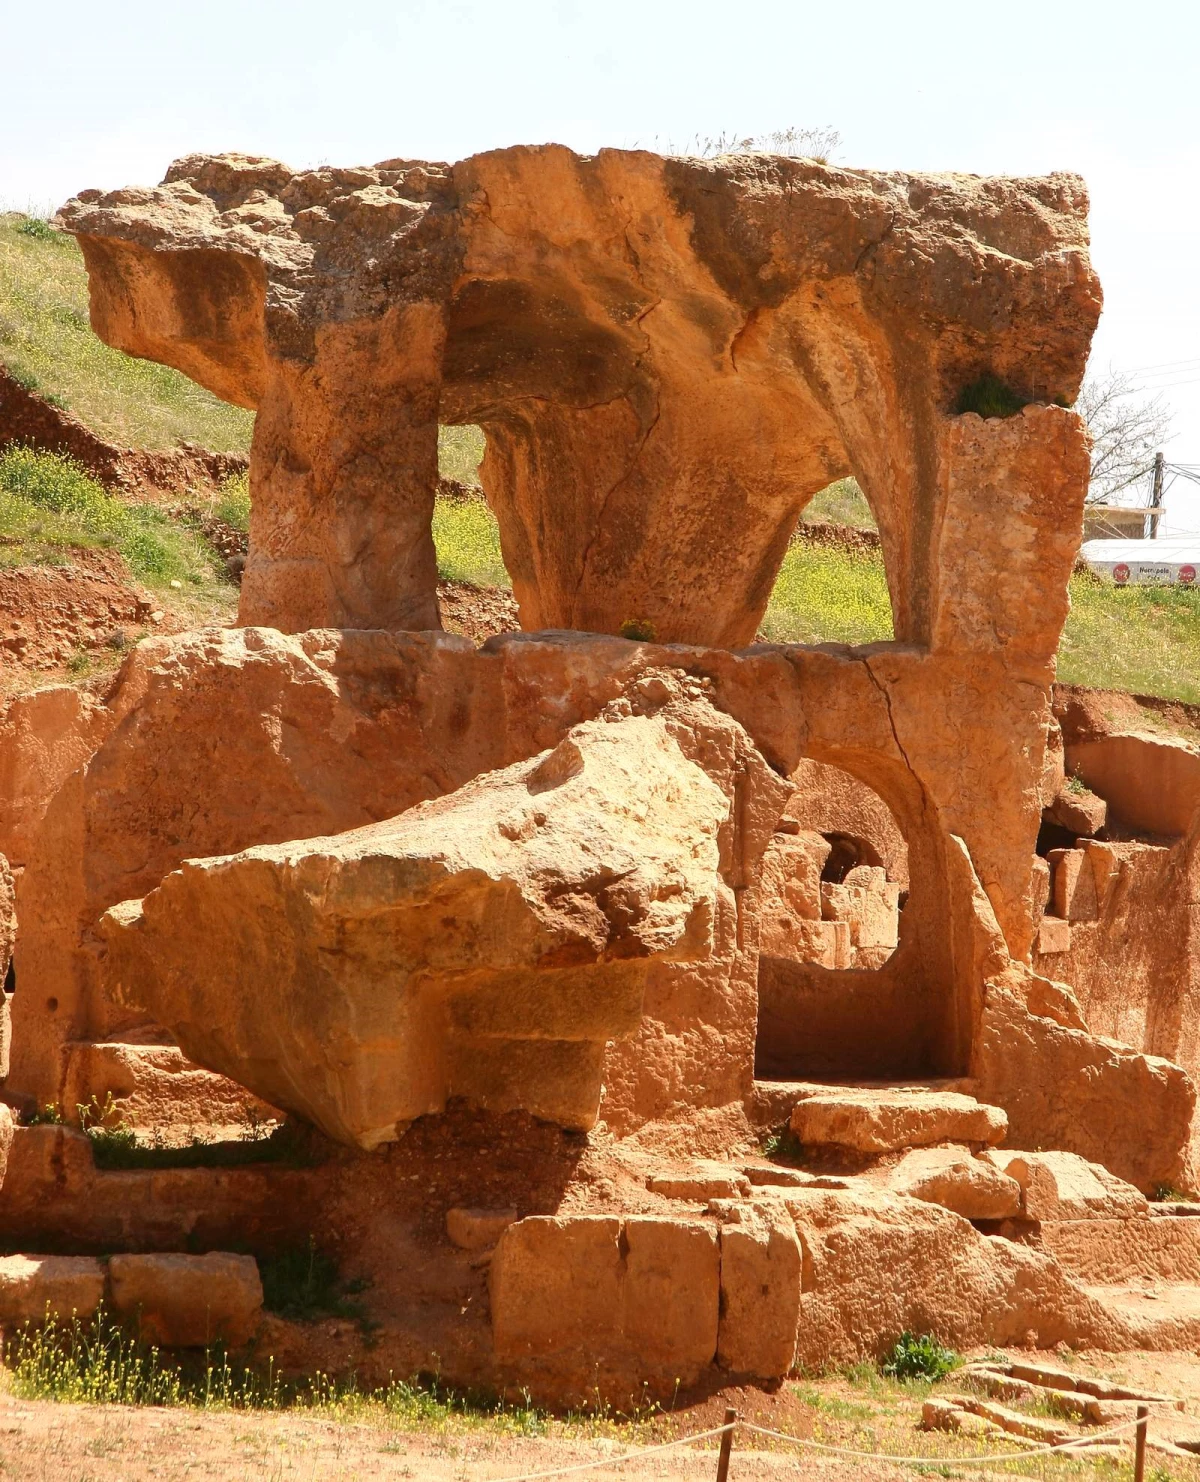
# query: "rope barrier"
[[616, 1461], [1073, 1444]]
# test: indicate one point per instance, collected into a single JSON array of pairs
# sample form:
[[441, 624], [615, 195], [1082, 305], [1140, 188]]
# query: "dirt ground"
[[83, 1443]]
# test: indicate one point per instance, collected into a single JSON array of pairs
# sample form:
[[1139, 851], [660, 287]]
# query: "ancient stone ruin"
[[542, 938]]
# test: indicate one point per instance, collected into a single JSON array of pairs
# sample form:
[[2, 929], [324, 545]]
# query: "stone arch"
[[860, 979]]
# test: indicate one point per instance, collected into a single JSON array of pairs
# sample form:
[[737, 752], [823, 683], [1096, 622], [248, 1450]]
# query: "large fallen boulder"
[[485, 945]]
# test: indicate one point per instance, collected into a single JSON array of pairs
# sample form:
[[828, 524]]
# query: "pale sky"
[[107, 95]]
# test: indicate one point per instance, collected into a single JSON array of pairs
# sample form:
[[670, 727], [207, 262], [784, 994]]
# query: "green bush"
[[304, 1284], [921, 1357], [42, 231]]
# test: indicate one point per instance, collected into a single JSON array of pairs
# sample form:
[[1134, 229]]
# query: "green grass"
[[1142, 639], [46, 341], [467, 540], [842, 503], [99, 1362], [828, 594], [49, 505], [233, 501]]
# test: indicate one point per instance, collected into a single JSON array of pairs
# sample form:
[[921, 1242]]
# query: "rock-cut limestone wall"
[[669, 357]]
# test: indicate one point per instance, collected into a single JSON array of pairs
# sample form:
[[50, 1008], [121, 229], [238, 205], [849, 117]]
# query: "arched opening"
[[474, 587], [831, 586], [832, 896]]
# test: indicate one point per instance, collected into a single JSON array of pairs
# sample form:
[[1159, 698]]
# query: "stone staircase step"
[[874, 1120]]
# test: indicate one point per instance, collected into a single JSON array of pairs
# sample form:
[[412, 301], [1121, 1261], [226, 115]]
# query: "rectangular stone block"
[[64, 1286], [555, 1284], [591, 1290], [761, 1268], [183, 1301], [1074, 897], [671, 1293], [1054, 936], [1064, 1186]]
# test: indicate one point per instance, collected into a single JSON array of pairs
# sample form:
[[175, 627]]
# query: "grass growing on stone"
[[46, 342]]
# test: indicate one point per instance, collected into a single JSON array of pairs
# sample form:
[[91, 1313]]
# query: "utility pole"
[[1156, 494]]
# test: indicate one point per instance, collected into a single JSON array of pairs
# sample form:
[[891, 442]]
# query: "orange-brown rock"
[[887, 1121], [185, 1301], [485, 945], [589, 1293], [62, 1286], [616, 323], [331, 731], [761, 1278]]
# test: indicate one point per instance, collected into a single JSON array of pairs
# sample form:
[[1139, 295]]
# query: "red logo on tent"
[[1120, 573], [1187, 574]]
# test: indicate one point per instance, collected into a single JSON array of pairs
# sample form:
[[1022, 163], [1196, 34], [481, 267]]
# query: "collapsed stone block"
[[63, 1286], [953, 1178], [1054, 936], [599, 1290], [888, 1121], [477, 1229], [183, 1301], [761, 1274], [1064, 1186], [876, 1266], [486, 945], [1081, 812]]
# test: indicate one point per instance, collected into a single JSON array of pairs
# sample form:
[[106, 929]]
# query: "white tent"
[[1146, 562]]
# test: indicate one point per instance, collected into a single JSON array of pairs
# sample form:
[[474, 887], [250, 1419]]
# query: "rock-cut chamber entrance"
[[835, 882]]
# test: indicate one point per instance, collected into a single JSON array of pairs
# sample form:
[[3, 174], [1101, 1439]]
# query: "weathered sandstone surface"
[[615, 324], [551, 932], [327, 731], [485, 945], [183, 1301]]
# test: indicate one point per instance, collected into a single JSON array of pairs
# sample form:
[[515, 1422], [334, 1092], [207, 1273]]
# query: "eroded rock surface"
[[484, 945], [616, 324]]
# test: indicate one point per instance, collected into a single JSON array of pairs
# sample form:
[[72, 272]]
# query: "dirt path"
[[42, 1441], [86, 1443]]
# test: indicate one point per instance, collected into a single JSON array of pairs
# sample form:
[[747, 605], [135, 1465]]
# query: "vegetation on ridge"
[[49, 505], [47, 344]]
